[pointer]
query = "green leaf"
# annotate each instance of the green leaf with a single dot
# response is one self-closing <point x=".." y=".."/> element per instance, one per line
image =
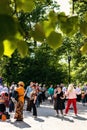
<point x="85" y="0"/>
<point x="85" y="16"/>
<point x="16" y="42"/>
<point x="7" y="26"/>
<point x="70" y="26"/>
<point x="83" y="49"/>
<point x="53" y="19"/>
<point x="50" y="24"/>
<point x="83" y="28"/>
<point x="4" y="7"/>
<point x="38" y="33"/>
<point x="26" y="5"/>
<point x="22" y="48"/>
<point x="9" y="47"/>
<point x="54" y="40"/>
<point x="65" y="28"/>
<point x="53" y="15"/>
<point x="73" y="20"/>
<point x="21" y="45"/>
<point x="1" y="49"/>
<point x="48" y="28"/>
<point x="62" y="17"/>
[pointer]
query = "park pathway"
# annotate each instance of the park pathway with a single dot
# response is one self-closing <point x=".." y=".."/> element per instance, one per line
<point x="46" y="120"/>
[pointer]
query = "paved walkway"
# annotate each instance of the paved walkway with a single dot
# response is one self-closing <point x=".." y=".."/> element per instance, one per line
<point x="46" y="120"/>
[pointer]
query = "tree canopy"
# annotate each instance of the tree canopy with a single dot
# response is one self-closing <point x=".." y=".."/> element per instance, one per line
<point x="26" y="24"/>
<point x="50" y="30"/>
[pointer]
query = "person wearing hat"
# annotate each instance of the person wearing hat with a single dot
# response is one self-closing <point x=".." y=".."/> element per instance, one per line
<point x="20" y="102"/>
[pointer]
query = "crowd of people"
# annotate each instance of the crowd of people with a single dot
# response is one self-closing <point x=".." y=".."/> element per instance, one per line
<point x="13" y="98"/>
<point x="64" y="97"/>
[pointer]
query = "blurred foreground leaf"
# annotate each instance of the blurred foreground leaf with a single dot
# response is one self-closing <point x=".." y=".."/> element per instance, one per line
<point x="69" y="26"/>
<point x="22" y="48"/>
<point x="1" y="49"/>
<point x="26" y="5"/>
<point x="84" y="48"/>
<point x="9" y="47"/>
<point x="7" y="26"/>
<point x="38" y="33"/>
<point x="4" y="7"/>
<point x="83" y="28"/>
<point x="54" y="40"/>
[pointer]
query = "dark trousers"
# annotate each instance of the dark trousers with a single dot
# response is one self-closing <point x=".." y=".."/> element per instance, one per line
<point x="79" y="97"/>
<point x="33" y="106"/>
<point x="43" y="96"/>
<point x="2" y="107"/>
<point x="28" y="104"/>
<point x="11" y="106"/>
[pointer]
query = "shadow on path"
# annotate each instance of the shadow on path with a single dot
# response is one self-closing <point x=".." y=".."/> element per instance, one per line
<point x="20" y="124"/>
<point x="65" y="119"/>
<point x="80" y="118"/>
<point x="39" y="119"/>
<point x="46" y="110"/>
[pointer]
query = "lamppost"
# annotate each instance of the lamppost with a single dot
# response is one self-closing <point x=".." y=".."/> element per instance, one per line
<point x="69" y="59"/>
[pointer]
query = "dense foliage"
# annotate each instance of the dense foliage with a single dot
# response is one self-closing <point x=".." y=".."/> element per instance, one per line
<point x="25" y="23"/>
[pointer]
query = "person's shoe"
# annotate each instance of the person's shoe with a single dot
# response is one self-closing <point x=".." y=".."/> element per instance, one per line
<point x="83" y="104"/>
<point x="76" y="115"/>
<point x="65" y="114"/>
<point x="57" y="115"/>
<point x="35" y="116"/>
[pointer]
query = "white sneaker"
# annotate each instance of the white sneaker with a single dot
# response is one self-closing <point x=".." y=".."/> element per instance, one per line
<point x="57" y="115"/>
<point x="76" y="115"/>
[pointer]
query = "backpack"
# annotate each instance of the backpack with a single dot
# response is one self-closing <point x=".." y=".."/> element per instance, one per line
<point x="4" y="116"/>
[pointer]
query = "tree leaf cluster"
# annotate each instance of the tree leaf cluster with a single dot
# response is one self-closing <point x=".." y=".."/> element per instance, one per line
<point x="57" y="24"/>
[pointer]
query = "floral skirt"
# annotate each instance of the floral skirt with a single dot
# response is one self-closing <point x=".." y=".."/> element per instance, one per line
<point x="19" y="110"/>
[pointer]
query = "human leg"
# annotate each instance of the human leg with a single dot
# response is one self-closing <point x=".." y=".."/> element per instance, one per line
<point x="74" y="106"/>
<point x="67" y="106"/>
<point x="19" y="111"/>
